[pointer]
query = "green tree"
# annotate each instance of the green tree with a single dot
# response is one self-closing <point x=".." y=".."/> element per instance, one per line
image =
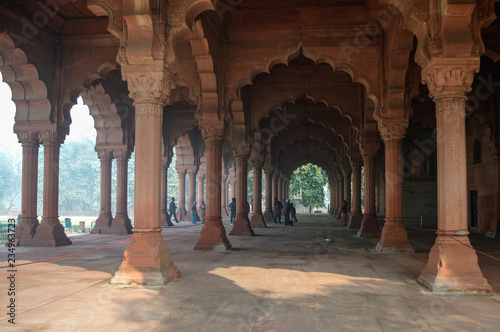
<point x="308" y="183"/>
<point x="10" y="182"/>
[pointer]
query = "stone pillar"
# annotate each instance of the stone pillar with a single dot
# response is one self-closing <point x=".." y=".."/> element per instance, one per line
<point x="347" y="187"/>
<point x="50" y="232"/>
<point x="224" y="188"/>
<point x="275" y="185"/>
<point x="369" y="224"/>
<point x="121" y="224"/>
<point x="164" y="216"/>
<point x="213" y="234"/>
<point x="280" y="187"/>
<point x="241" y="224"/>
<point x="394" y="236"/>
<point x="181" y="208"/>
<point x="257" y="220"/>
<point x="29" y="220"/>
<point x="268" y="209"/>
<point x="335" y="205"/>
<point x="147" y="257"/>
<point x="332" y="194"/>
<point x="452" y="266"/>
<point x="201" y="188"/>
<point x="340" y="195"/>
<point x="103" y="222"/>
<point x="356" y="216"/>
<point x="192" y="190"/>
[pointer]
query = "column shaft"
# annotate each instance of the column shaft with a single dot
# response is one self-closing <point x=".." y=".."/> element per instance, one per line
<point x="394" y="236"/>
<point x="268" y="210"/>
<point x="29" y="221"/>
<point x="257" y="220"/>
<point x="241" y="224"/>
<point x="369" y="224"/>
<point x="121" y="224"/>
<point x="103" y="222"/>
<point x="147" y="258"/>
<point x="164" y="216"/>
<point x="181" y="209"/>
<point x="356" y="216"/>
<point x="213" y="234"/>
<point x="50" y="232"/>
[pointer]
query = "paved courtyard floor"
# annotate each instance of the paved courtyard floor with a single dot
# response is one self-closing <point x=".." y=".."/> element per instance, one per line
<point x="314" y="276"/>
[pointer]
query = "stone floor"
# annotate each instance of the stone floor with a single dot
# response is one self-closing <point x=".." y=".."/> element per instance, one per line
<point x="315" y="276"/>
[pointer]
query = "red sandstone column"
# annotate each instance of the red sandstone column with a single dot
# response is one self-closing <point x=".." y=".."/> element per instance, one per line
<point x="275" y="186"/>
<point x="268" y="211"/>
<point x="192" y="190"/>
<point x="335" y="205"/>
<point x="394" y="236"/>
<point x="340" y="195"/>
<point x="213" y="234"/>
<point x="224" y="189"/>
<point x="29" y="221"/>
<point x="164" y="216"/>
<point x="201" y="192"/>
<point x="280" y="187"/>
<point x="147" y="258"/>
<point x="347" y="187"/>
<point x="330" y="208"/>
<point x="103" y="223"/>
<point x="452" y="266"/>
<point x="181" y="208"/>
<point x="121" y="224"/>
<point x="356" y="216"/>
<point x="50" y="232"/>
<point x="241" y="224"/>
<point x="369" y="224"/>
<point x="257" y="220"/>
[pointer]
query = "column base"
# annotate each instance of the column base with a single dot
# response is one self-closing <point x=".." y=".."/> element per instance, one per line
<point x="355" y="222"/>
<point x="213" y="236"/>
<point x="369" y="226"/>
<point x="242" y="226"/>
<point x="48" y="234"/>
<point x="257" y="220"/>
<point x="102" y="224"/>
<point x="165" y="220"/>
<point x="268" y="216"/>
<point x="120" y="225"/>
<point x="146" y="262"/>
<point x="26" y="230"/>
<point x="453" y="267"/>
<point x="394" y="238"/>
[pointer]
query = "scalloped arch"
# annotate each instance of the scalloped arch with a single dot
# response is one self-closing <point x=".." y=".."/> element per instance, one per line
<point x="285" y="59"/>
<point x="29" y="93"/>
<point x="115" y="16"/>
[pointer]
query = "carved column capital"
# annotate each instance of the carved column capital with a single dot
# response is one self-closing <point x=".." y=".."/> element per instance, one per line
<point x="27" y="137"/>
<point x="356" y="163"/>
<point x="212" y="132"/>
<point x="241" y="150"/>
<point x="148" y="83"/>
<point x="122" y="154"/>
<point x="447" y="77"/>
<point x="104" y="154"/>
<point x="256" y="163"/>
<point x="392" y="129"/>
<point x="181" y="170"/>
<point x="268" y="169"/>
<point x="49" y="137"/>
<point x="369" y="150"/>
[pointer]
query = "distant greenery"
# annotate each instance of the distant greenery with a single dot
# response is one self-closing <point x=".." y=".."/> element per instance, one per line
<point x="10" y="183"/>
<point x="308" y="184"/>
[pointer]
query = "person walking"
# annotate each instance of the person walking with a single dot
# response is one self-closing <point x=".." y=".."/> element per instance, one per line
<point x="232" y="209"/>
<point x="343" y="210"/>
<point x="286" y="211"/>
<point x="194" y="213"/>
<point x="171" y="209"/>
<point x="293" y="214"/>
<point x="277" y="211"/>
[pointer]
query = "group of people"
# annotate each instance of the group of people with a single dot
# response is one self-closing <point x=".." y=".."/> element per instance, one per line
<point x="195" y="217"/>
<point x="288" y="210"/>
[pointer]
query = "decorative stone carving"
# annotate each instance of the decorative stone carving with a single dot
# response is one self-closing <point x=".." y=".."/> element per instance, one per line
<point x="449" y="76"/>
<point x="390" y="130"/>
<point x="213" y="131"/>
